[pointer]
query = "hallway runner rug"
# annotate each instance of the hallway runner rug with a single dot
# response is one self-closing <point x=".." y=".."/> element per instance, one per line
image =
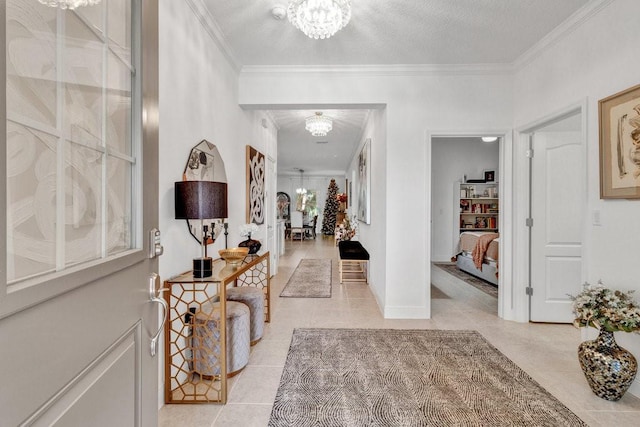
<point x="470" y="279"/>
<point x="387" y="377"/>
<point x="311" y="279"/>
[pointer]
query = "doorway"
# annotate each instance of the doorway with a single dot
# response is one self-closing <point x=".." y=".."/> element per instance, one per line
<point x="465" y="201"/>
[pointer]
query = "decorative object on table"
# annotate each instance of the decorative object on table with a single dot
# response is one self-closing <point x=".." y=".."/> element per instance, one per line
<point x="255" y="185"/>
<point x="254" y="245"/>
<point x="233" y="256"/>
<point x="609" y="368"/>
<point x="205" y="164"/>
<point x="330" y="209"/>
<point x="362" y="377"/>
<point x="619" y="117"/>
<point x="347" y="230"/>
<point x="364" y="183"/>
<point x="200" y="200"/>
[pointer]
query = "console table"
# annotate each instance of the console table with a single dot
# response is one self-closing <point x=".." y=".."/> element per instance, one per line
<point x="185" y="296"/>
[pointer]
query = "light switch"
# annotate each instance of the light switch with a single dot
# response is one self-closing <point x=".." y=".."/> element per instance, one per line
<point x="596" y="217"/>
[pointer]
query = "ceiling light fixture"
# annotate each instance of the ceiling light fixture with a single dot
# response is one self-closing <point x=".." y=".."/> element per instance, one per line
<point x="318" y="124"/>
<point x="319" y="19"/>
<point x="489" y="138"/>
<point x="69" y="4"/>
<point x="301" y="190"/>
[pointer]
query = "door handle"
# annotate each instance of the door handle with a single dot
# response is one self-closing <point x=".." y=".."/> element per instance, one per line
<point x="155" y="296"/>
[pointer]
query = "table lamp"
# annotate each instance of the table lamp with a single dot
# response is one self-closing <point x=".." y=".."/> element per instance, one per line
<point x="201" y="200"/>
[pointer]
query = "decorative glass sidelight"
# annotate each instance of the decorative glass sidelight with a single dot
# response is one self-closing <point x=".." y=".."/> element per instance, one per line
<point x="71" y="150"/>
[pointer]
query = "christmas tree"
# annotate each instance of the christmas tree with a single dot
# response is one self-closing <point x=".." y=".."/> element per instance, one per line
<point x="330" y="209"/>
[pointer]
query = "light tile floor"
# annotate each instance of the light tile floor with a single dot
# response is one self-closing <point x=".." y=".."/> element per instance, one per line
<point x="546" y="352"/>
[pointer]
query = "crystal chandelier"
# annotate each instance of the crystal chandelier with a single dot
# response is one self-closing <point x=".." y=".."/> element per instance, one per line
<point x="68" y="4"/>
<point x="301" y="200"/>
<point x="318" y="124"/>
<point x="319" y="19"/>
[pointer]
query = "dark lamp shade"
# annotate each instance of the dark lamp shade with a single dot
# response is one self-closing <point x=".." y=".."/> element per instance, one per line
<point x="201" y="200"/>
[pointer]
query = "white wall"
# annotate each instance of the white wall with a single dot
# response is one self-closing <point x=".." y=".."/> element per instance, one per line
<point x="369" y="234"/>
<point x="415" y="103"/>
<point x="595" y="60"/>
<point x="199" y="100"/>
<point x="451" y="159"/>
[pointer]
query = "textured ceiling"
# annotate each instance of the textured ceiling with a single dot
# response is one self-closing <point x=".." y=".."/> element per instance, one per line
<point x="381" y="32"/>
<point x="394" y="31"/>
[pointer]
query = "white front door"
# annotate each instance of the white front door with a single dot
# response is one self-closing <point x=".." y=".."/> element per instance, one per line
<point x="557" y="208"/>
<point x="76" y="318"/>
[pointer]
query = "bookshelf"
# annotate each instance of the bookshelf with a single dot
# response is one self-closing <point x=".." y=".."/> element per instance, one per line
<point x="477" y="206"/>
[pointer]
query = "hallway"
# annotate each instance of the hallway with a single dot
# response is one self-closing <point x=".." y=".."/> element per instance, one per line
<point x="546" y="352"/>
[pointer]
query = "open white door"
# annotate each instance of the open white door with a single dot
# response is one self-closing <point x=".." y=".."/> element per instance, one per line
<point x="270" y="209"/>
<point x="80" y="118"/>
<point x="557" y="209"/>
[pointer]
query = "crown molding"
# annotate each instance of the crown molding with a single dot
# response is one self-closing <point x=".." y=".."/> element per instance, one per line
<point x="562" y="31"/>
<point x="212" y="28"/>
<point x="399" y="70"/>
<point x="272" y="119"/>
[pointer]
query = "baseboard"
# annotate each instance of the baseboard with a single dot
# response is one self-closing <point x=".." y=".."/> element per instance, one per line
<point x="407" y="312"/>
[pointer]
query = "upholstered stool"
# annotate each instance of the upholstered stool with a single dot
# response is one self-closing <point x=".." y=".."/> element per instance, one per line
<point x="254" y="299"/>
<point x="206" y="349"/>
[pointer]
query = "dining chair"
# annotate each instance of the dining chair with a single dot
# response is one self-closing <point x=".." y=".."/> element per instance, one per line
<point x="296" y="225"/>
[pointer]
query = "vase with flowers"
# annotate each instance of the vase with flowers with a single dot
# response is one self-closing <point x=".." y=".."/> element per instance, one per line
<point x="245" y="231"/>
<point x="346" y="230"/>
<point x="609" y="368"/>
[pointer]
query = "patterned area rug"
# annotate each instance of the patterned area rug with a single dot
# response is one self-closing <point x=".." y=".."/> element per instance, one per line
<point x="386" y="377"/>
<point x="311" y="279"/>
<point x="453" y="269"/>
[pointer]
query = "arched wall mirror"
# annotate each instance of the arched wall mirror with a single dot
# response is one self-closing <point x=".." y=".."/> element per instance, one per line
<point x="205" y="164"/>
<point x="283" y="202"/>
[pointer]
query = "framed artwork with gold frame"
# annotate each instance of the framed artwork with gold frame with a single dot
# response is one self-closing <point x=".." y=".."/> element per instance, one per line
<point x="619" y="120"/>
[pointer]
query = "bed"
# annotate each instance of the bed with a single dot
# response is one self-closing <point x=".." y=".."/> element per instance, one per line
<point x="483" y="263"/>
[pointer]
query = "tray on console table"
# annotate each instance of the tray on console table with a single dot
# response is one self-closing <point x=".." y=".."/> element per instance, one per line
<point x="186" y="296"/>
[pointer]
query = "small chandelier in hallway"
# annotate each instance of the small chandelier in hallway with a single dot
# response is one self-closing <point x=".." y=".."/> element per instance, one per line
<point x="301" y="190"/>
<point x="318" y="124"/>
<point x="68" y="4"/>
<point x="319" y="19"/>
